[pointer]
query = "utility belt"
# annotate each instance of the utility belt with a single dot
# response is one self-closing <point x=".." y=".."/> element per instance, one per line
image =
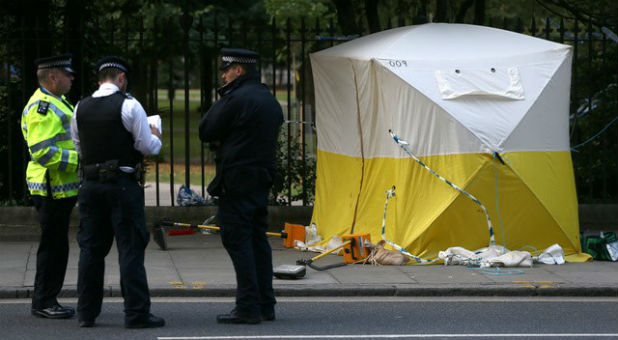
<point x="109" y="171"/>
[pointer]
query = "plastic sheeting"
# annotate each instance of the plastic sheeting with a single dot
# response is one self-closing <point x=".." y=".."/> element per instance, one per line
<point x="498" y="256"/>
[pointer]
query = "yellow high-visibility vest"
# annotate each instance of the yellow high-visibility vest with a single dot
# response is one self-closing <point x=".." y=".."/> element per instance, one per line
<point x="46" y="127"/>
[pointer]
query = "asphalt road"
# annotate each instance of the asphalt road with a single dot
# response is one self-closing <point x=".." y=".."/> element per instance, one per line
<point x="341" y="318"/>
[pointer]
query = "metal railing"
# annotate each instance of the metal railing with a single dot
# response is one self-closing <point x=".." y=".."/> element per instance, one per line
<point x="177" y="57"/>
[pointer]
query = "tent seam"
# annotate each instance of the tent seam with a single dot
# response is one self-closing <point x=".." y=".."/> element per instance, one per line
<point x="539" y="200"/>
<point x="501" y="145"/>
<point x="481" y="142"/>
<point x="472" y="176"/>
<point x="360" y="130"/>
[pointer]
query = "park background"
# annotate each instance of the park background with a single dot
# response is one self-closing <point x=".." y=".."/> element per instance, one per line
<point x="173" y="48"/>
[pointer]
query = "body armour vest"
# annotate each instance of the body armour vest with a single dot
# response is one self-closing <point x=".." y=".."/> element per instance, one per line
<point x="102" y="136"/>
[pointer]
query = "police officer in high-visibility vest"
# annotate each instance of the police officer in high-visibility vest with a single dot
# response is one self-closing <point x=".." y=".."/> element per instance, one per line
<point x="111" y="132"/>
<point x="52" y="179"/>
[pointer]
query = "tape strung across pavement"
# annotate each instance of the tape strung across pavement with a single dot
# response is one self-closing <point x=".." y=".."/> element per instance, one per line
<point x="390" y="193"/>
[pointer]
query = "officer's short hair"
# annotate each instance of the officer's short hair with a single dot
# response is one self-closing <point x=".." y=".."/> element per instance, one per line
<point x="111" y="67"/>
<point x="109" y="73"/>
<point x="43" y="74"/>
<point x="249" y="68"/>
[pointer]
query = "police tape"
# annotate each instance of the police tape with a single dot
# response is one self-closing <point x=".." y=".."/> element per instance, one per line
<point x="390" y="193"/>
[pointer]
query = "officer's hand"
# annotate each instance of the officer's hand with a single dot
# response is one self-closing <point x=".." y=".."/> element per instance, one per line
<point x="155" y="131"/>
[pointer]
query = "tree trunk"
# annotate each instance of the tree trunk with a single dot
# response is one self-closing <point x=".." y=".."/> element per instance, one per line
<point x="441" y="6"/>
<point x="31" y="29"/>
<point x="421" y="14"/>
<point x="75" y="13"/>
<point x="463" y="9"/>
<point x="479" y="12"/>
<point x="371" y="12"/>
<point x="36" y="30"/>
<point x="346" y="17"/>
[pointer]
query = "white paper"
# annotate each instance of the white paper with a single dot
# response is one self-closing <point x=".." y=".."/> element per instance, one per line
<point x="156" y="122"/>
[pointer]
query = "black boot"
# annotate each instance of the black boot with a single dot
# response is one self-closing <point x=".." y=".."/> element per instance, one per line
<point x="145" y="321"/>
<point x="235" y="317"/>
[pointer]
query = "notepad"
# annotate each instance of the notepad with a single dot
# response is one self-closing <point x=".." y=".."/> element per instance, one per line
<point x="156" y="122"/>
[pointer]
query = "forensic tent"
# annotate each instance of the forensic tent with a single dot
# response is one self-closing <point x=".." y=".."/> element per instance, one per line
<point x="485" y="108"/>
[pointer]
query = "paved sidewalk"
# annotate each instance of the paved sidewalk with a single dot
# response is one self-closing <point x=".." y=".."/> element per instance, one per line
<point x="165" y="195"/>
<point x="197" y="265"/>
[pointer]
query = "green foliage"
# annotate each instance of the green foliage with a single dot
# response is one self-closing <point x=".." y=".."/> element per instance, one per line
<point x="297" y="9"/>
<point x="294" y="172"/>
<point x="149" y="33"/>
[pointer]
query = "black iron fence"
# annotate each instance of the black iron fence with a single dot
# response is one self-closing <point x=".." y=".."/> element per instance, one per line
<point x="175" y="75"/>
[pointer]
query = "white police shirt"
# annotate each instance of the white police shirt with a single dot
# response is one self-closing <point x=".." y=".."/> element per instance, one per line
<point x="133" y="119"/>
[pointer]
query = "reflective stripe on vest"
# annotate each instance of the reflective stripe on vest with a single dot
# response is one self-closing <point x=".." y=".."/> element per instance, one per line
<point x="65" y="187"/>
<point x="48" y="155"/>
<point x="27" y="109"/>
<point x="55" y="188"/>
<point x="66" y="123"/>
<point x="49" y="142"/>
<point x="64" y="161"/>
<point x="37" y="186"/>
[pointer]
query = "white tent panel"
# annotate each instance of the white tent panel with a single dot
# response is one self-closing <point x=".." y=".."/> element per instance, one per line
<point x="367" y="47"/>
<point x="413" y="116"/>
<point x="490" y="118"/>
<point x="502" y="82"/>
<point x="440" y="42"/>
<point x="546" y="125"/>
<point x="351" y="81"/>
<point x="337" y="129"/>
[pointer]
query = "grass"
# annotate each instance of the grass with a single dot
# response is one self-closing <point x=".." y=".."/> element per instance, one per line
<point x="176" y="142"/>
<point x="195" y="173"/>
<point x="178" y="135"/>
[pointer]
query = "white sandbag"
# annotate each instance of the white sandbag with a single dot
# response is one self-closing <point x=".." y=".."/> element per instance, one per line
<point x="552" y="255"/>
<point x="511" y="259"/>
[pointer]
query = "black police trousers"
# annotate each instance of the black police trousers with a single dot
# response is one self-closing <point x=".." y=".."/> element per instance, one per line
<point x="53" y="252"/>
<point x="108" y="210"/>
<point x="243" y="220"/>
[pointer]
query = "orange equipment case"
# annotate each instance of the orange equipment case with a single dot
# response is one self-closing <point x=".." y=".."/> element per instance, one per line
<point x="294" y="232"/>
<point x="357" y="250"/>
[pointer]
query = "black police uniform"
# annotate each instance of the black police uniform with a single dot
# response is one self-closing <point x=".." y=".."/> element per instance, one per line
<point x="111" y="204"/>
<point x="244" y="123"/>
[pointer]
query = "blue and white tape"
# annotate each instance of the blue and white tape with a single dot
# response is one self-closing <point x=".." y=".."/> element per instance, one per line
<point x="390" y="193"/>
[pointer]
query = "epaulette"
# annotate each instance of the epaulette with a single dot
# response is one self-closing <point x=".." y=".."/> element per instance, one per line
<point x="125" y="94"/>
<point x="43" y="106"/>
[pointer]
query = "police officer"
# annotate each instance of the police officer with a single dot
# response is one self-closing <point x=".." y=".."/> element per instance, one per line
<point x="243" y="126"/>
<point x="111" y="133"/>
<point x="52" y="179"/>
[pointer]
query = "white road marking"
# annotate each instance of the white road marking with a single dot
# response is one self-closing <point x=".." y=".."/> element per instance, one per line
<point x="353" y="299"/>
<point x="394" y="336"/>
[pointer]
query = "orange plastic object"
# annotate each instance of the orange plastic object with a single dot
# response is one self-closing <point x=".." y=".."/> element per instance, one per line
<point x="356" y="250"/>
<point x="294" y="232"/>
